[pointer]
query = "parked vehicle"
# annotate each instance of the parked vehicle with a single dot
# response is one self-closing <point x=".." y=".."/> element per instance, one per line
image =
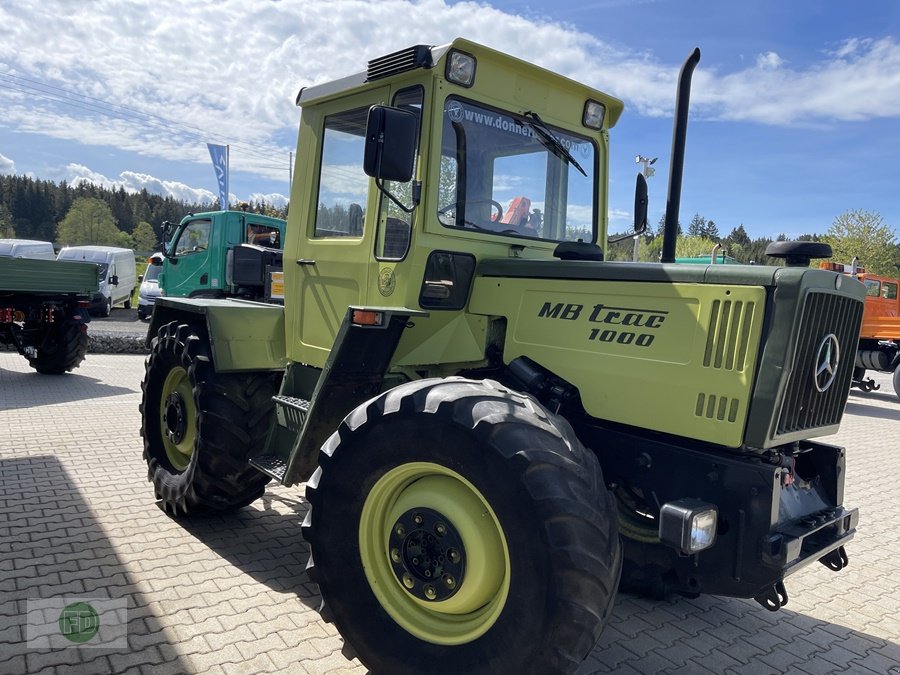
<point x="879" y="338"/>
<point x="43" y="310"/>
<point x="149" y="289"/>
<point x="118" y="275"/>
<point x="205" y="256"/>
<point x="493" y="423"/>
<point x="27" y="248"/>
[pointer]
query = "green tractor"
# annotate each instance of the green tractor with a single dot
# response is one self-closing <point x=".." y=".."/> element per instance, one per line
<point x="496" y="427"/>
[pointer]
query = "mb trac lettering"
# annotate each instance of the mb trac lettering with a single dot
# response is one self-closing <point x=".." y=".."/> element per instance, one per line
<point x="607" y="315"/>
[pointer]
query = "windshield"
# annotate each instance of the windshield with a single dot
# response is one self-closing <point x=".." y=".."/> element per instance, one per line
<point x="500" y="173"/>
<point x="152" y="273"/>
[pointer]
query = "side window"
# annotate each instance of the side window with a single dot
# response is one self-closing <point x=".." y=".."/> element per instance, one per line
<point x="343" y="185"/>
<point x="873" y="288"/>
<point x="194" y="237"/>
<point x="263" y="235"/>
<point x="889" y="290"/>
<point x="395" y="224"/>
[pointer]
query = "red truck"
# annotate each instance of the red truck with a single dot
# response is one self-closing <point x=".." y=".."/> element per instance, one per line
<point x="879" y="338"/>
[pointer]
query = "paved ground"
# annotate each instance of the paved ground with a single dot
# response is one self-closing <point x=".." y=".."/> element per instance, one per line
<point x="229" y="594"/>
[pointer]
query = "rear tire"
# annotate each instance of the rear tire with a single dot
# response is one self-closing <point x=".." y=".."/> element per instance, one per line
<point x="487" y="468"/>
<point x="128" y="303"/>
<point x="201" y="427"/>
<point x="106" y="310"/>
<point x="897" y="381"/>
<point x="62" y="350"/>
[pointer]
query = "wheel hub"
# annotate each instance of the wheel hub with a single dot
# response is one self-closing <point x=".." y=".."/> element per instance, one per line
<point x="174" y="417"/>
<point x="427" y="554"/>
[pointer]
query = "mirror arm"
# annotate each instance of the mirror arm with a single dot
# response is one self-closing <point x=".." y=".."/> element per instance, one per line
<point x="416" y="195"/>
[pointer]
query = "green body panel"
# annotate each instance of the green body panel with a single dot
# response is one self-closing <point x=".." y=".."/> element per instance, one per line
<point x="643" y="354"/>
<point x="26" y="275"/>
<point x="205" y="271"/>
<point x="244" y="335"/>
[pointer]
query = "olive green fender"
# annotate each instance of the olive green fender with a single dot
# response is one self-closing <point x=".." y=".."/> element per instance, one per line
<point x="243" y="335"/>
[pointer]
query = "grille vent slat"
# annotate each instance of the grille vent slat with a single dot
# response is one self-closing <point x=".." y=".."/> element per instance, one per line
<point x="398" y="62"/>
<point x="715" y="407"/>
<point x="728" y="335"/>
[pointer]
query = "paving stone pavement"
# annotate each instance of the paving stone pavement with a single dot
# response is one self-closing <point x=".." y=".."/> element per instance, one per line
<point x="229" y="594"/>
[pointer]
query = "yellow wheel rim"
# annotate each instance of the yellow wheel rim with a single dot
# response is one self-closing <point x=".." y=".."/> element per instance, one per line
<point x="419" y="501"/>
<point x="178" y="418"/>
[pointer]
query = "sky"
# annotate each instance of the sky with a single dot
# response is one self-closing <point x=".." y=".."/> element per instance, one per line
<point x="795" y="106"/>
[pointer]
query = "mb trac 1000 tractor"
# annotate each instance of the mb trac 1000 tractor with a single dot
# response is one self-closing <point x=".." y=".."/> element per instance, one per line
<point x="495" y="426"/>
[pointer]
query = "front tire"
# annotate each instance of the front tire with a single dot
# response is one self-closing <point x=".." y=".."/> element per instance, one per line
<point x="897" y="381"/>
<point x="200" y="427"/>
<point x="456" y="525"/>
<point x="62" y="350"/>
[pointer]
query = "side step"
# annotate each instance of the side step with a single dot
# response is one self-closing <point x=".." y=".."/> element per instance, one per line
<point x="271" y="465"/>
<point x="291" y="414"/>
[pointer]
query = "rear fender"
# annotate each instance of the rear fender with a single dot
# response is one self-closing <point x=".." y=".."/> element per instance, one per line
<point x="243" y="335"/>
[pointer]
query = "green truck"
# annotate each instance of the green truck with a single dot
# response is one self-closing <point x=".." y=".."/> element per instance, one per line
<point x="43" y="310"/>
<point x="207" y="255"/>
<point x="495" y="426"/>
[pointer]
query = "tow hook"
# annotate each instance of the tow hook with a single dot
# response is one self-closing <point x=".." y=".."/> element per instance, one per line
<point x="836" y="560"/>
<point x="774" y="597"/>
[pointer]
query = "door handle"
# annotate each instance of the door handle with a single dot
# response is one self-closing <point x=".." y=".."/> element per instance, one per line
<point x="304" y="261"/>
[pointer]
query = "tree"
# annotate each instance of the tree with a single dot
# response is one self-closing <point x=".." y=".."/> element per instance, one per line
<point x="864" y="234"/>
<point x="691" y="247"/>
<point x="697" y="228"/>
<point x="738" y="236"/>
<point x="7" y="230"/>
<point x="90" y="221"/>
<point x="145" y="239"/>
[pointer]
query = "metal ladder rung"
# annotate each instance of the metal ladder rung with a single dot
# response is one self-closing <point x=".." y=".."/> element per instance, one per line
<point x="271" y="465"/>
<point x="291" y="412"/>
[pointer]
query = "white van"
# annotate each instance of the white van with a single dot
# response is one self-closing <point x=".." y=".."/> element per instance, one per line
<point x="27" y="248"/>
<point x="117" y="274"/>
<point x="150" y="289"/>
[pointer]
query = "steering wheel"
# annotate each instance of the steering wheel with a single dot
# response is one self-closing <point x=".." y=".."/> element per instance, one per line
<point x="452" y="207"/>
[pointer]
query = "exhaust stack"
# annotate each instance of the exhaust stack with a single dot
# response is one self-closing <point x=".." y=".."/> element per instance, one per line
<point x="676" y="166"/>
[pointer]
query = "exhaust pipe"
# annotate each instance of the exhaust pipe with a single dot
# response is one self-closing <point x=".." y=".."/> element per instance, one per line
<point x="676" y="166"/>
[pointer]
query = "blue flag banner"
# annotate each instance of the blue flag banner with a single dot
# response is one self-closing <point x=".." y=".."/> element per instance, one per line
<point x="219" y="156"/>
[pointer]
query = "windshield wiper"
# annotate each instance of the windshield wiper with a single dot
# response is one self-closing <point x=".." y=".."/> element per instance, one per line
<point x="551" y="142"/>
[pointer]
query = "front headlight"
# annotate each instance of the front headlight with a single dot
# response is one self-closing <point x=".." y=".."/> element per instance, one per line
<point x="688" y="524"/>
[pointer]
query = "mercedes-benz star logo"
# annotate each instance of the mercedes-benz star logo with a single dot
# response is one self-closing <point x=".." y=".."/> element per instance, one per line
<point x="827" y="359"/>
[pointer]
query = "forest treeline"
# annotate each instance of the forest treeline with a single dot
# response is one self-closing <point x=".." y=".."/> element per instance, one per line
<point x="35" y="209"/>
<point x="89" y="214"/>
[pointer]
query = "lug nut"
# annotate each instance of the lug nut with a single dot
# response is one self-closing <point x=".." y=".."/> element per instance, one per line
<point x="453" y="554"/>
<point x="440" y="529"/>
<point x="418" y="519"/>
<point x="400" y="531"/>
<point x="430" y="593"/>
<point x="408" y="580"/>
<point x="449" y="581"/>
<point x="395" y="555"/>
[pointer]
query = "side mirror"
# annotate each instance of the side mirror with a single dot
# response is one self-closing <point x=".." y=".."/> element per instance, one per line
<point x="390" y="143"/>
<point x="140" y="278"/>
<point x="640" y="210"/>
<point x="640" y="204"/>
<point x="114" y="280"/>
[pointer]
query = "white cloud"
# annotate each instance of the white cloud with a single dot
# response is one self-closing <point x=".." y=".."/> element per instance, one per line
<point x="7" y="165"/>
<point x="768" y="60"/>
<point x="130" y="181"/>
<point x="161" y="78"/>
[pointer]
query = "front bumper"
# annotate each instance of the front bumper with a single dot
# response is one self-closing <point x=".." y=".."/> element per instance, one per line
<point x="777" y="514"/>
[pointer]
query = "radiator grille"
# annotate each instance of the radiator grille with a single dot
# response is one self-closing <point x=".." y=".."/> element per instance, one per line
<point x="728" y="335"/>
<point x="804" y="406"/>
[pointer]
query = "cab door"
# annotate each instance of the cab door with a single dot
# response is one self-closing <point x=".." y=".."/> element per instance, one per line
<point x="327" y="263"/>
<point x="187" y="269"/>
